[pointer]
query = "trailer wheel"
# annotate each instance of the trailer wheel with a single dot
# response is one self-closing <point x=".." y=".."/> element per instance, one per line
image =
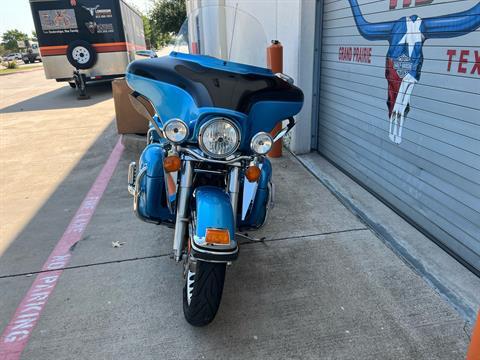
<point x="81" y="54"/>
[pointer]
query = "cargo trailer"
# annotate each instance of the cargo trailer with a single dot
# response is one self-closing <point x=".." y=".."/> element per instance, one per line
<point x="82" y="41"/>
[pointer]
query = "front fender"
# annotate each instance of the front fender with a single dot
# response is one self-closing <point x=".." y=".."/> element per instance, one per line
<point x="213" y="209"/>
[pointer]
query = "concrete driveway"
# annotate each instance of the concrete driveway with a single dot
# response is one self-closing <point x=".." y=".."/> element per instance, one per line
<point x="321" y="286"/>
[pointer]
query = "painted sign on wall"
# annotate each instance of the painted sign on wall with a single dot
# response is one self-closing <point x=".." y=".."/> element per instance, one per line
<point x="399" y="109"/>
<point x="404" y="60"/>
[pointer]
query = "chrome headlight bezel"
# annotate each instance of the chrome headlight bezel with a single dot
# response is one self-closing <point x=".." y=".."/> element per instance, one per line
<point x="210" y="122"/>
<point x="179" y="122"/>
<point x="253" y="142"/>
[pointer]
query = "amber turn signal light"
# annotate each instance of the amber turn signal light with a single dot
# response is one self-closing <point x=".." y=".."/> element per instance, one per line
<point x="253" y="173"/>
<point x="217" y="237"/>
<point x="172" y="163"/>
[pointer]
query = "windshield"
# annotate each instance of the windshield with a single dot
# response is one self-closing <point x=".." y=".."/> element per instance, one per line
<point x="224" y="32"/>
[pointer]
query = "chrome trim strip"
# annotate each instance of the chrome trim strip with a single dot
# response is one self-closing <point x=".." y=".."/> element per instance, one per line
<point x="132" y="170"/>
<point x="149" y="135"/>
<point x="136" y="194"/>
<point x="228" y="262"/>
<point x="200" y="157"/>
<point x="270" y="203"/>
<point x="202" y="250"/>
<point x="205" y="171"/>
<point x="285" y="77"/>
<point x="200" y="242"/>
<point x="249" y="193"/>
<point x="157" y="128"/>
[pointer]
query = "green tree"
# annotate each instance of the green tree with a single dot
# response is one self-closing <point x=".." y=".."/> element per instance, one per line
<point x="34" y="35"/>
<point x="147" y="30"/>
<point x="11" y="37"/>
<point x="166" y="17"/>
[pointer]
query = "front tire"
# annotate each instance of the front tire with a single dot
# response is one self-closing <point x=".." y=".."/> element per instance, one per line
<point x="202" y="292"/>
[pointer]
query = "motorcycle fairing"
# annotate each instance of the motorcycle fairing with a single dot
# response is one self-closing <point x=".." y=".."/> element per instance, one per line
<point x="263" y="115"/>
<point x="236" y="86"/>
<point x="168" y="100"/>
<point x="193" y="88"/>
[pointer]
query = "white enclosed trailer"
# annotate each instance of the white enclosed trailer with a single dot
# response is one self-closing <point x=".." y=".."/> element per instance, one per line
<point x="86" y="40"/>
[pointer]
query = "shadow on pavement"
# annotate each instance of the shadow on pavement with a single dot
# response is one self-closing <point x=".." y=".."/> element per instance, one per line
<point x="31" y="247"/>
<point x="62" y="98"/>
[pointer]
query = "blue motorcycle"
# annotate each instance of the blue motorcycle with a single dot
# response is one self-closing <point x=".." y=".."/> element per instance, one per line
<point x="204" y="170"/>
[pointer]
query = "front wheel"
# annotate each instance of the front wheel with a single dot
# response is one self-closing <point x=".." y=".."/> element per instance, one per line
<point x="202" y="292"/>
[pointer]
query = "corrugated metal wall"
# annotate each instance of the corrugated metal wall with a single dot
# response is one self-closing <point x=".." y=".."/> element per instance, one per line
<point x="431" y="173"/>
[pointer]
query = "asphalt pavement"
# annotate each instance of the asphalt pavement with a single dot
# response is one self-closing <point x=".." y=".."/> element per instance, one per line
<point x="322" y="285"/>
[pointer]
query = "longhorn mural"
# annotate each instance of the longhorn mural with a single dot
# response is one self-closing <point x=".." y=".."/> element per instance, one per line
<point x="404" y="59"/>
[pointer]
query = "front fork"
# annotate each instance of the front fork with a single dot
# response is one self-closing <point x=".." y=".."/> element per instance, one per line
<point x="181" y="221"/>
<point x="184" y="193"/>
<point x="233" y="186"/>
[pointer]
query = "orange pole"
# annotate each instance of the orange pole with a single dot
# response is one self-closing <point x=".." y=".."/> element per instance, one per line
<point x="474" y="348"/>
<point x="275" y="63"/>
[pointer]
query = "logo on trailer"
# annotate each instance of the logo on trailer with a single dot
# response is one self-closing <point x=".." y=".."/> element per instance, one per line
<point x="404" y="59"/>
<point x="91" y="26"/>
<point x="91" y="10"/>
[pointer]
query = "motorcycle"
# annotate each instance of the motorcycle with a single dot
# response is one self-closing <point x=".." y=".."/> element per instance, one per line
<point x="204" y="170"/>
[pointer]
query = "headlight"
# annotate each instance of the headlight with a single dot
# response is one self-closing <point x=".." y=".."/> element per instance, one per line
<point x="175" y="130"/>
<point x="219" y="137"/>
<point x="261" y="143"/>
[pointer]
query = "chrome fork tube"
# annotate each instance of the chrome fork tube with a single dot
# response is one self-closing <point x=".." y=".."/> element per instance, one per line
<point x="181" y="222"/>
<point x="233" y="186"/>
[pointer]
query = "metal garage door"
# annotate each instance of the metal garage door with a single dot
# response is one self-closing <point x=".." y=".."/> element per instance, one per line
<point x="399" y="109"/>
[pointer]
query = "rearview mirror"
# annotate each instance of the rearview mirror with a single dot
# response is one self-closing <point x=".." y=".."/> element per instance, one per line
<point x="281" y="134"/>
<point x="285" y="130"/>
<point x="142" y="105"/>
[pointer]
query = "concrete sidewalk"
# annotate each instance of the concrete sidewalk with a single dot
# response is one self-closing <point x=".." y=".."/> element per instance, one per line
<point x="453" y="281"/>
<point x="322" y="286"/>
